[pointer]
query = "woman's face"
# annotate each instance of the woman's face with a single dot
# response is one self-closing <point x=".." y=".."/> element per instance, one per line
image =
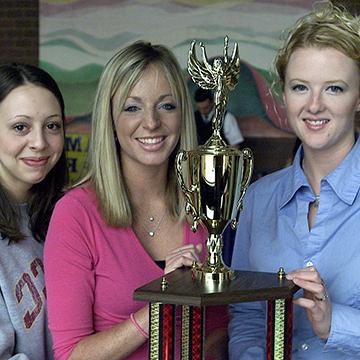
<point x="148" y="126"/>
<point x="31" y="138"/>
<point x="321" y="95"/>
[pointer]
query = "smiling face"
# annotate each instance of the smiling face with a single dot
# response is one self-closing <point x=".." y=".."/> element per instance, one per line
<point x="321" y="94"/>
<point x="31" y="138"/>
<point x="148" y="125"/>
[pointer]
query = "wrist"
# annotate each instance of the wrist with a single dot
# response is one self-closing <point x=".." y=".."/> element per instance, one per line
<point x="138" y="327"/>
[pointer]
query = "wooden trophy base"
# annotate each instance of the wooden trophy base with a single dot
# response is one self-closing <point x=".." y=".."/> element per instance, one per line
<point x="180" y="287"/>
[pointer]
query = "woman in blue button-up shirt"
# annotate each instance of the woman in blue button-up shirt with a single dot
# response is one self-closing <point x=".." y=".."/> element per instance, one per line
<point x="306" y="218"/>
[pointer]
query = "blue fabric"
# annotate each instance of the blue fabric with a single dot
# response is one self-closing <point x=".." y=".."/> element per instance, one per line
<point x="273" y="232"/>
<point x="228" y="244"/>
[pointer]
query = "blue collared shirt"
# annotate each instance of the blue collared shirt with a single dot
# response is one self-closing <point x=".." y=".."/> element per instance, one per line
<point x="273" y="232"/>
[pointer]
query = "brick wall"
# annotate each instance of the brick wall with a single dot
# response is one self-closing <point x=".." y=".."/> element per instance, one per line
<point x="19" y="31"/>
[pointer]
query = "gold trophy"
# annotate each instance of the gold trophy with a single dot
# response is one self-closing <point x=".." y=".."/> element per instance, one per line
<point x="217" y="175"/>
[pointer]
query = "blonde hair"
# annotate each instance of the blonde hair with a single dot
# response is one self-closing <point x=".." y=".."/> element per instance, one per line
<point x="325" y="26"/>
<point x="121" y="73"/>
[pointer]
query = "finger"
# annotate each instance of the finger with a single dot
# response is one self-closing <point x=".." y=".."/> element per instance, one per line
<point x="308" y="304"/>
<point x="314" y="291"/>
<point x="315" y="288"/>
<point x="188" y="251"/>
<point x="317" y="311"/>
<point x="184" y="256"/>
<point x="177" y="263"/>
<point x="310" y="274"/>
<point x="306" y="270"/>
<point x="183" y="249"/>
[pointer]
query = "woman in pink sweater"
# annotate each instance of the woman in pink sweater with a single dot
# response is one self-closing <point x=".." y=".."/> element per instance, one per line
<point x="124" y="224"/>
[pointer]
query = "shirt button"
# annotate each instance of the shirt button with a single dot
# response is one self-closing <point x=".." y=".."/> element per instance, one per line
<point x="304" y="346"/>
<point x="309" y="263"/>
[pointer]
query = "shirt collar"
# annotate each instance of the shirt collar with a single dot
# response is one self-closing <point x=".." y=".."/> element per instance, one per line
<point x="344" y="179"/>
<point x="297" y="178"/>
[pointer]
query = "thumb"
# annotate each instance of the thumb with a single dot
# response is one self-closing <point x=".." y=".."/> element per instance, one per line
<point x="198" y="248"/>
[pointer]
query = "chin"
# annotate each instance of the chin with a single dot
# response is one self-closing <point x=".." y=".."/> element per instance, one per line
<point x="37" y="180"/>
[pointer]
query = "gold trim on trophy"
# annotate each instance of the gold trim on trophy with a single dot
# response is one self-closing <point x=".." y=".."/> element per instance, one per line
<point x="279" y="329"/>
<point x="154" y="331"/>
<point x="217" y="175"/>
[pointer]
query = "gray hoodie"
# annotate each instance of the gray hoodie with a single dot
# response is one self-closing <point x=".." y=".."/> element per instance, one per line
<point x="23" y="324"/>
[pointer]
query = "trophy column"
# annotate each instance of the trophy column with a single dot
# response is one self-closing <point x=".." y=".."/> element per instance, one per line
<point x="161" y="331"/>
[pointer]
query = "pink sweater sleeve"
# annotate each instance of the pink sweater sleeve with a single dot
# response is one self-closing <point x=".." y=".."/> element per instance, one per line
<point x="68" y="270"/>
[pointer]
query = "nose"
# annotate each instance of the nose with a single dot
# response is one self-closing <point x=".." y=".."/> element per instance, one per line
<point x="315" y="103"/>
<point x="37" y="140"/>
<point x="151" y="120"/>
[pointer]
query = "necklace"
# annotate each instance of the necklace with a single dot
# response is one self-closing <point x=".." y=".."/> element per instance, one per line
<point x="149" y="226"/>
<point x="156" y="225"/>
<point x="316" y="202"/>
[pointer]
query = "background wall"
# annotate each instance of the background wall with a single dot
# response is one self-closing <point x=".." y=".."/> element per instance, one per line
<point x="19" y="31"/>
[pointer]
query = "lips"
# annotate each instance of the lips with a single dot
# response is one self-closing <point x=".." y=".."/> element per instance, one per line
<point x="35" y="162"/>
<point x="315" y="124"/>
<point x="151" y="140"/>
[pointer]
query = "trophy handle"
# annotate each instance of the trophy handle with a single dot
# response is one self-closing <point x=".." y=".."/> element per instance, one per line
<point x="189" y="207"/>
<point x="248" y="167"/>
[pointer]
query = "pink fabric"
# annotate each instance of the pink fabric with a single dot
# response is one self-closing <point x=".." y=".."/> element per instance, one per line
<point x="91" y="271"/>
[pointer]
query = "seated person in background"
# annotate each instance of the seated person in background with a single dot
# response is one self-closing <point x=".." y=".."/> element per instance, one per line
<point x="204" y="101"/>
<point x="33" y="172"/>
<point x="306" y="217"/>
<point x="124" y="225"/>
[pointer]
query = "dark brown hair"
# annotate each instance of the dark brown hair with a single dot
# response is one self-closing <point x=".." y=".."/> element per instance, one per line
<point x="44" y="194"/>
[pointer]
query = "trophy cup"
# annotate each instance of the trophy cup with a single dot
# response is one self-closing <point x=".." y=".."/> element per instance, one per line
<point x="217" y="175"/>
<point x="214" y="178"/>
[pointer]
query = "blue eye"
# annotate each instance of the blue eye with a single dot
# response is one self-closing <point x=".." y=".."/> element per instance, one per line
<point x="335" y="89"/>
<point x="131" y="108"/>
<point x="168" y="106"/>
<point x="298" y="87"/>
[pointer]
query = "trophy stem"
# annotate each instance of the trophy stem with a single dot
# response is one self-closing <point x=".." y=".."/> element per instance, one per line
<point x="213" y="268"/>
<point x="214" y="246"/>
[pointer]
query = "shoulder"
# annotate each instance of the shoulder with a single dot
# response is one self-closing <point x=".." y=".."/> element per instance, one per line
<point x="229" y="116"/>
<point x="76" y="205"/>
<point x="82" y="195"/>
<point x="267" y="185"/>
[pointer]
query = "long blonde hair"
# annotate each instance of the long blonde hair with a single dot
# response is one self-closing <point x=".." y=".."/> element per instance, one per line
<point x="121" y="73"/>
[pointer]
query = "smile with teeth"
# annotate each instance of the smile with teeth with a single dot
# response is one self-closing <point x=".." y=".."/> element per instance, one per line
<point x="151" y="141"/>
<point x="316" y="122"/>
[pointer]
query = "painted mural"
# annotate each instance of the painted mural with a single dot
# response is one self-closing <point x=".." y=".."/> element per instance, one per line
<point x="77" y="37"/>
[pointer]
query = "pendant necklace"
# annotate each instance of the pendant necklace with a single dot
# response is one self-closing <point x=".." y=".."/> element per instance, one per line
<point x="156" y="227"/>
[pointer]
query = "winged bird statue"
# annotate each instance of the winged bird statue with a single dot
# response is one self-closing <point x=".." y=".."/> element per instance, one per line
<point x="221" y="77"/>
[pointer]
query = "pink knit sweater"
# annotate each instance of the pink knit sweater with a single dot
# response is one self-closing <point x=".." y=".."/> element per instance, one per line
<point x="92" y="270"/>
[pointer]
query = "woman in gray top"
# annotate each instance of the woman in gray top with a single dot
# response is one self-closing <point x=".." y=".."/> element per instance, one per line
<point x="33" y="173"/>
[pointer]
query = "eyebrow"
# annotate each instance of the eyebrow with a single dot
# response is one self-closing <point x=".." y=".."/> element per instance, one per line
<point x="29" y="117"/>
<point x="161" y="97"/>
<point x="326" y="82"/>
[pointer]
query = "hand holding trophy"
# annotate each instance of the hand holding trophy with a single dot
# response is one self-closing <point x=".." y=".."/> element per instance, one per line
<point x="217" y="175"/>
